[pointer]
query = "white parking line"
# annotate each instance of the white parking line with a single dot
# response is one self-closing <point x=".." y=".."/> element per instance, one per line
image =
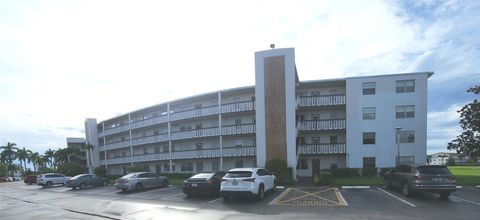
<point x="409" y="203"/>
<point x="279" y="197"/>
<point x="466" y="200"/>
<point x="339" y="194"/>
<point x="355" y="187"/>
<point x="215" y="200"/>
<point x="171" y="196"/>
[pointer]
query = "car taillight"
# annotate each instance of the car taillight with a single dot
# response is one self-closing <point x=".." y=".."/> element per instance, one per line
<point x="249" y="180"/>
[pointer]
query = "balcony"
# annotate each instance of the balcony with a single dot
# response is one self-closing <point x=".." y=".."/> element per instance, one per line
<point x="151" y="157"/>
<point x="114" y="130"/>
<point x="238" y="107"/>
<point x="115" y="160"/>
<point x="150" y="139"/>
<point x="328" y="100"/>
<point x="192" y="154"/>
<point x="115" y="145"/>
<point x="321" y="125"/>
<point x="149" y="122"/>
<point x="321" y="149"/>
<point x="243" y="151"/>
<point x="238" y="129"/>
<point x="197" y="133"/>
<point x="198" y="112"/>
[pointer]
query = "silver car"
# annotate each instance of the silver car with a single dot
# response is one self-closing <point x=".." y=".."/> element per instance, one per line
<point x="140" y="180"/>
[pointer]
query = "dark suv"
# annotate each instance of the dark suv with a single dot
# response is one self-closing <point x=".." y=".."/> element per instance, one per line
<point x="427" y="178"/>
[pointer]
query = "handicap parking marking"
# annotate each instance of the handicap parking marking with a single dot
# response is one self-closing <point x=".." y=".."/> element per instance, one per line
<point x="310" y="197"/>
<point x="465" y="200"/>
<point x="396" y="197"/>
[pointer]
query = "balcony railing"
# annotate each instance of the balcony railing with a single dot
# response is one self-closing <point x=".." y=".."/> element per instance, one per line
<point x="322" y="125"/>
<point x="238" y="129"/>
<point x="238" y="107"/>
<point x="198" y="112"/>
<point x="114" y="130"/>
<point x="149" y="122"/>
<point x="306" y="101"/>
<point x="115" y="145"/>
<point x="150" y="139"/>
<point x="197" y="133"/>
<point x="239" y="151"/>
<point x="321" y="149"/>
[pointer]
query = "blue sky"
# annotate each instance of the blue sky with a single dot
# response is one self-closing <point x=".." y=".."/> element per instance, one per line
<point x="64" y="61"/>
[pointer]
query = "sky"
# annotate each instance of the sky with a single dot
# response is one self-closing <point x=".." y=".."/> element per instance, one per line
<point x="64" y="61"/>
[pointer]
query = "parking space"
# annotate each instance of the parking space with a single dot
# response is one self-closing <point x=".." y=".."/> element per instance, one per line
<point x="317" y="196"/>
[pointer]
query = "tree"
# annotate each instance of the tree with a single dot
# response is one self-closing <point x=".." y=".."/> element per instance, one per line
<point x="468" y="143"/>
<point x="100" y="171"/>
<point x="33" y="159"/>
<point x="3" y="169"/>
<point x="22" y="155"/>
<point x="49" y="156"/>
<point x="71" y="169"/>
<point x="88" y="148"/>
<point x="9" y="154"/>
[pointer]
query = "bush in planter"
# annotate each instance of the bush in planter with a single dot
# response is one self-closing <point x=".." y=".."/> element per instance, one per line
<point x="345" y="172"/>
<point x="325" y="178"/>
<point x="369" y="172"/>
<point x="281" y="170"/>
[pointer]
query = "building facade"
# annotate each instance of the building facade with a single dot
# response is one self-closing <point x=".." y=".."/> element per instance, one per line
<point x="313" y="125"/>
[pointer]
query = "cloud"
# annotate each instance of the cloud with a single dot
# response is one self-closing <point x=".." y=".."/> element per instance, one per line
<point x="443" y="127"/>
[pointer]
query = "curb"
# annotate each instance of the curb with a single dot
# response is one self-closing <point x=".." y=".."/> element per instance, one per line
<point x="355" y="187"/>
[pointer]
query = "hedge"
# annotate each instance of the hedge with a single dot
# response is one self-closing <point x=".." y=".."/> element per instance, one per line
<point x="345" y="172"/>
<point x="324" y="177"/>
<point x="369" y="172"/>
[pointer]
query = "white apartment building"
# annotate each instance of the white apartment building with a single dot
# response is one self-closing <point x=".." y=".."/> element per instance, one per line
<point x="313" y="125"/>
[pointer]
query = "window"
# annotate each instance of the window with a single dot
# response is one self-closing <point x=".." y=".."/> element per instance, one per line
<point x="315" y="117"/>
<point x="405" y="111"/>
<point x="407" y="136"/>
<point x="124" y="154"/>
<point x="215" y="165"/>
<point x="369" y="88"/>
<point x="315" y="140"/>
<point x="186" y="167"/>
<point x="238" y="121"/>
<point x="333" y="92"/>
<point x="407" y="159"/>
<point x="239" y="164"/>
<point x="368" y="113"/>
<point x="333" y="139"/>
<point x="303" y="164"/>
<point x="156" y="132"/>
<point x="198" y="126"/>
<point x="165" y="148"/>
<point x="301" y="140"/>
<point x="157" y="150"/>
<point x="369" y="138"/>
<point x="155" y="114"/>
<point x="199" y="166"/>
<point x="315" y="93"/>
<point x="158" y="169"/>
<point x="369" y="162"/>
<point x="198" y="146"/>
<point x="145" y="151"/>
<point x="333" y="115"/>
<point x="404" y="86"/>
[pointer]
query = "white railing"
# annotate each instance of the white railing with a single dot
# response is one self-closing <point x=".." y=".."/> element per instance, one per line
<point x="211" y="110"/>
<point x="151" y="157"/>
<point x="238" y="107"/>
<point x="239" y="151"/>
<point x="306" y="101"/>
<point x="114" y="130"/>
<point x="150" y="140"/>
<point x="322" y="125"/>
<point x="115" y="145"/>
<point x="116" y="160"/>
<point x="191" y="154"/>
<point x="321" y="149"/>
<point x="205" y="132"/>
<point x="149" y="122"/>
<point x="238" y="129"/>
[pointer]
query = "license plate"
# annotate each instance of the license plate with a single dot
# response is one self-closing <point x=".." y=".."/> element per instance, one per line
<point x="194" y="185"/>
<point x="437" y="179"/>
<point x="234" y="183"/>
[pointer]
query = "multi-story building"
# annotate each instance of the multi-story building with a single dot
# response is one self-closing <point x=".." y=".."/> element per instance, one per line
<point x="78" y="143"/>
<point x="313" y="125"/>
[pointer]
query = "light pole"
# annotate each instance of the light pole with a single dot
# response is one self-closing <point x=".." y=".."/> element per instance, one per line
<point x="397" y="134"/>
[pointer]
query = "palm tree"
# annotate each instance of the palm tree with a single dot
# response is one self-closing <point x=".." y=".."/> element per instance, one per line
<point x="23" y="155"/>
<point x="72" y="151"/>
<point x="49" y="156"/>
<point x="33" y="158"/>
<point x="61" y="156"/>
<point x="9" y="154"/>
<point x="40" y="161"/>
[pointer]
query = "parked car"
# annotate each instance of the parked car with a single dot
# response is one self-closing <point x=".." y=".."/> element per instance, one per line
<point x="7" y="179"/>
<point x="426" y="178"/>
<point x="30" y="179"/>
<point x="50" y="179"/>
<point x="247" y="182"/>
<point x="83" y="180"/>
<point x="203" y="184"/>
<point x="140" y="180"/>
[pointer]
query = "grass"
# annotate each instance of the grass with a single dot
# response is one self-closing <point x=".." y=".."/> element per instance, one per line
<point x="357" y="181"/>
<point x="466" y="175"/>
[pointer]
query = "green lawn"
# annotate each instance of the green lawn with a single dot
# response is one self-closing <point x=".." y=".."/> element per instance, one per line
<point x="466" y="175"/>
<point x="357" y="181"/>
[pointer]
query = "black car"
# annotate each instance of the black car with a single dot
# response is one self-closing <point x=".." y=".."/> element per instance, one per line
<point x="421" y="178"/>
<point x="203" y="184"/>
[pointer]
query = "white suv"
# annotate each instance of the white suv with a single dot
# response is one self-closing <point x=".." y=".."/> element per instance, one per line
<point x="247" y="182"/>
<point x="50" y="179"/>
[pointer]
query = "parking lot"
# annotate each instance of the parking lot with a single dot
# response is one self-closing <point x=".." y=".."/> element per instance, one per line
<point x="285" y="203"/>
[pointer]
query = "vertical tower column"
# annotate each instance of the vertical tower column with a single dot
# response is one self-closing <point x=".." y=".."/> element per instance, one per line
<point x="275" y="81"/>
<point x="91" y="137"/>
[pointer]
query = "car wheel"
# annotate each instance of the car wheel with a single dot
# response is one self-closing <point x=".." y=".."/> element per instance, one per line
<point x="444" y="195"/>
<point x="406" y="190"/>
<point x="29" y="183"/>
<point x="81" y="186"/>
<point x="386" y="184"/>
<point x="49" y="184"/>
<point x="138" y="187"/>
<point x="261" y="193"/>
<point x="165" y="183"/>
<point x="105" y="183"/>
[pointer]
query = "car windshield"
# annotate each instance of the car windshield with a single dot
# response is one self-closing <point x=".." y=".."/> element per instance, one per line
<point x="202" y="175"/>
<point x="433" y="170"/>
<point x="234" y="174"/>
<point x="130" y="175"/>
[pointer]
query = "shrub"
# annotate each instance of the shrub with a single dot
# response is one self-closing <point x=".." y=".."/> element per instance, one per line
<point x="71" y="169"/>
<point x="113" y="177"/>
<point x="451" y="162"/>
<point x="369" y="172"/>
<point x="3" y="170"/>
<point x="42" y="170"/>
<point x="345" y="172"/>
<point x="100" y="171"/>
<point x="325" y="178"/>
<point x="384" y="170"/>
<point x="138" y="168"/>
<point x="316" y="179"/>
<point x="281" y="170"/>
<point x="177" y="175"/>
